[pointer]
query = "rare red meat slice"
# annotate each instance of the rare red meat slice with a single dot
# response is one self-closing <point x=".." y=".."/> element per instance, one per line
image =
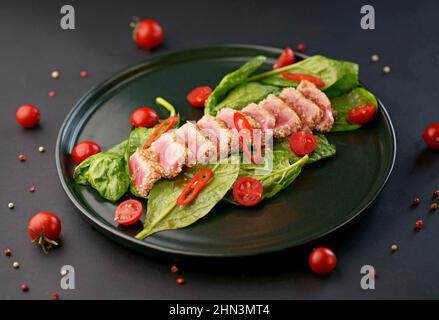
<point x="144" y="171"/>
<point x="217" y="132"/>
<point x="199" y="146"/>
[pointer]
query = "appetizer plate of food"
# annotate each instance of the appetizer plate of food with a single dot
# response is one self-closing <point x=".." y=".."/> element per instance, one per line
<point x="226" y="151"/>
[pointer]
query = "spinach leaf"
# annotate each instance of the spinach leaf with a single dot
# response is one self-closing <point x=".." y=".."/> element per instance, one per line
<point x="346" y="102"/>
<point x="230" y="81"/>
<point x="244" y="94"/>
<point x="338" y="76"/>
<point x="324" y="149"/>
<point x="163" y="213"/>
<point x="106" y="173"/>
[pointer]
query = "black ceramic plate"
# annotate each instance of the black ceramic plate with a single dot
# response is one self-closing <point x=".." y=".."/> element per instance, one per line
<point x="326" y="195"/>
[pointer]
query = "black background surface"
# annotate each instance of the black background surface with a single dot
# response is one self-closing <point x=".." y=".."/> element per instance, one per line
<point x="33" y="44"/>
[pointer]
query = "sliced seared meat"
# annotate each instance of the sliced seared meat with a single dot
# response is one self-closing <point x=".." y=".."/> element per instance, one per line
<point x="308" y="112"/>
<point x="144" y="170"/>
<point x="287" y="121"/>
<point x="264" y="117"/>
<point x="199" y="146"/>
<point x="171" y="154"/>
<point x="217" y="132"/>
<point x="311" y="92"/>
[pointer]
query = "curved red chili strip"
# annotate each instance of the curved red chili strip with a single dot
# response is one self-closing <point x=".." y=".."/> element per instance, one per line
<point x="194" y="186"/>
<point x="167" y="124"/>
<point x="297" y="77"/>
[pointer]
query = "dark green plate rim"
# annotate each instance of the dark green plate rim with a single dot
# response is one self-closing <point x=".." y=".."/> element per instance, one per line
<point x="144" y="246"/>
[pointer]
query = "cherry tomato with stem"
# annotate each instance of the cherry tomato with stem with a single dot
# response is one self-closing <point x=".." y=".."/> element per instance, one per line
<point x="198" y="96"/>
<point x="286" y="58"/>
<point x="128" y="212"/>
<point x="322" y="260"/>
<point x="28" y="116"/>
<point x="144" y="117"/>
<point x="44" y="229"/>
<point x="83" y="150"/>
<point x="147" y="33"/>
<point x="431" y="135"/>
<point x="247" y="191"/>
<point x="362" y="114"/>
<point x="303" y="143"/>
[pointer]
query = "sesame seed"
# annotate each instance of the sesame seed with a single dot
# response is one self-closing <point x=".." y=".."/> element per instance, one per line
<point x="386" y="70"/>
<point x="16" y="265"/>
<point x="41" y="149"/>
<point x="11" y="205"/>
<point x="394" y="247"/>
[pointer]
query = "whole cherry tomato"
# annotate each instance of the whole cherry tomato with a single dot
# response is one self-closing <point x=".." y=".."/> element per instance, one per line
<point x="44" y="229"/>
<point x="322" y="260"/>
<point x="144" y="117"/>
<point x="28" y="116"/>
<point x="431" y="135"/>
<point x="148" y="34"/>
<point x="83" y="150"/>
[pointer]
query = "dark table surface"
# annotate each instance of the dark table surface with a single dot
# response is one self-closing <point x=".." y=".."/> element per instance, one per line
<point x="33" y="44"/>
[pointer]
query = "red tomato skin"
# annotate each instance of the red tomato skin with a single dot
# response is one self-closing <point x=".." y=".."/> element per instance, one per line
<point x="137" y="212"/>
<point x="48" y="220"/>
<point x="255" y="188"/>
<point x="431" y="136"/>
<point x="144" y="117"/>
<point x="303" y="143"/>
<point x="362" y="114"/>
<point x="198" y="96"/>
<point x="148" y="34"/>
<point x="28" y="116"/>
<point x="322" y="260"/>
<point x="83" y="150"/>
<point x="286" y="58"/>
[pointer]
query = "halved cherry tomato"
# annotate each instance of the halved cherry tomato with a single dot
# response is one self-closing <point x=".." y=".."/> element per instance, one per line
<point x="198" y="96"/>
<point x="194" y="186"/>
<point x="247" y="191"/>
<point x="144" y="117"/>
<point x="362" y="114"/>
<point x="286" y="58"/>
<point x="28" y="116"/>
<point x="83" y="150"/>
<point x="165" y="126"/>
<point x="322" y="260"/>
<point x="128" y="212"/>
<point x="303" y="143"/>
<point x="431" y="135"/>
<point x="297" y="77"/>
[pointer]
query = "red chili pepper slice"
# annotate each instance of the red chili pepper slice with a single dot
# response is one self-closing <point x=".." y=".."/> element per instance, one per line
<point x="297" y="77"/>
<point x="246" y="135"/>
<point x="167" y="124"/>
<point x="194" y="186"/>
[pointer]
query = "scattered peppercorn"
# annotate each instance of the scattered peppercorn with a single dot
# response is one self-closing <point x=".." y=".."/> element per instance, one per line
<point x="374" y="58"/>
<point x="41" y="149"/>
<point x="55" y="74"/>
<point x="436" y="193"/>
<point x="180" y="281"/>
<point x="419" y="224"/>
<point x="63" y="273"/>
<point x="416" y="201"/>
<point x="300" y="47"/>
<point x="52" y="93"/>
<point x="8" y="252"/>
<point x="24" y="288"/>
<point x="11" y="205"/>
<point x="54" y="296"/>
<point x="83" y="74"/>
<point x="394" y="247"/>
<point x="433" y="206"/>
<point x="32" y="189"/>
<point x="22" y="157"/>
<point x="386" y="70"/>
<point x="174" y="269"/>
<point x="16" y="265"/>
